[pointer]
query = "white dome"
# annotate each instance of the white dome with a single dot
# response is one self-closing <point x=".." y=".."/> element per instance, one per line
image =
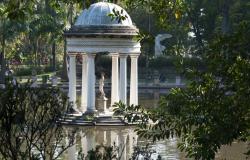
<point x="97" y="15"/>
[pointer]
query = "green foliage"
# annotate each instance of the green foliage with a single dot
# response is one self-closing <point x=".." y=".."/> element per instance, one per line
<point x="45" y="78"/>
<point x="213" y="110"/>
<point x="102" y="152"/>
<point x="28" y="123"/>
<point x="202" y="18"/>
<point x="118" y="16"/>
<point x="146" y="152"/>
<point x="163" y="62"/>
<point x="26" y="70"/>
<point x="89" y="117"/>
<point x="32" y="31"/>
<point x="131" y="113"/>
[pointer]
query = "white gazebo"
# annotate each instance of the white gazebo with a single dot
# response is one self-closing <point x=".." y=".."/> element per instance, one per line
<point x="93" y="33"/>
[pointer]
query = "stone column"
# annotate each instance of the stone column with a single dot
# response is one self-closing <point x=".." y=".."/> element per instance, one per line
<point x="91" y="84"/>
<point x="134" y="80"/>
<point x="115" y="79"/>
<point x="84" y="83"/>
<point x="72" y="81"/>
<point x="123" y="78"/>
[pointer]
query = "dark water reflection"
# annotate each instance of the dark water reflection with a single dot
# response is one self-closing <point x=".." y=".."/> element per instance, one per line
<point x="126" y="136"/>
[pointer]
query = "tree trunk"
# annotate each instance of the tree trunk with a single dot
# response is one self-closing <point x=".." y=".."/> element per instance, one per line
<point x="3" y="64"/>
<point x="198" y="36"/>
<point x="71" y="11"/>
<point x="194" y="21"/>
<point x="225" y="26"/>
<point x="53" y="50"/>
<point x="2" y="58"/>
<point x="64" y="74"/>
<point x="35" y="52"/>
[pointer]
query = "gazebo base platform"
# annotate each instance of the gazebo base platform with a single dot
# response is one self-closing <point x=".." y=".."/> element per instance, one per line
<point x="91" y="120"/>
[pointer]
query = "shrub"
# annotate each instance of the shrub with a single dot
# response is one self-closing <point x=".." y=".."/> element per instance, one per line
<point x="28" y="125"/>
<point x="25" y="70"/>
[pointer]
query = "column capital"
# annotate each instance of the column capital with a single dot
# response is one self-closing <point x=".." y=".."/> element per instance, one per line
<point x="123" y="55"/>
<point x="114" y="54"/>
<point x="123" y="132"/>
<point x="134" y="55"/>
<point x="84" y="56"/>
<point x="91" y="54"/>
<point x="72" y="54"/>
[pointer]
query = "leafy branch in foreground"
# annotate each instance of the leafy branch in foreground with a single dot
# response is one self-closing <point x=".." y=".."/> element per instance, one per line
<point x="28" y="124"/>
<point x="118" y="16"/>
<point x="211" y="111"/>
<point x="102" y="152"/>
<point x="114" y="152"/>
<point x="133" y="113"/>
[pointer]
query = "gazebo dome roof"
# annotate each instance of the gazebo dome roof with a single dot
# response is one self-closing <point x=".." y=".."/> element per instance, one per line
<point x="98" y="14"/>
<point x="95" y="21"/>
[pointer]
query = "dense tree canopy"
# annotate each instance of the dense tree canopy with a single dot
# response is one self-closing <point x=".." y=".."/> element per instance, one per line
<point x="32" y="31"/>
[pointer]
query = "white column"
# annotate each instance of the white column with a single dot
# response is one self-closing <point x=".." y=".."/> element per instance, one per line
<point x="115" y="79"/>
<point x="84" y="83"/>
<point x="123" y="78"/>
<point x="134" y="80"/>
<point x="72" y="81"/>
<point x="91" y="84"/>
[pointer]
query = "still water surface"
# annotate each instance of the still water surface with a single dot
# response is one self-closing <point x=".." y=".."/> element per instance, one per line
<point x="125" y="138"/>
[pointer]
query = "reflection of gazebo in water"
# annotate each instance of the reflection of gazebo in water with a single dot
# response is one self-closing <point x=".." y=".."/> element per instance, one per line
<point x="93" y="33"/>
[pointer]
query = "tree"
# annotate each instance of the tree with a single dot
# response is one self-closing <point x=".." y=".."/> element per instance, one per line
<point x="29" y="123"/>
<point x="213" y="110"/>
<point x="41" y="36"/>
<point x="202" y="18"/>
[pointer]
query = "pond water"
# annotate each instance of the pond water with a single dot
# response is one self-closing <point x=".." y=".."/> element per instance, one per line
<point x="124" y="138"/>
